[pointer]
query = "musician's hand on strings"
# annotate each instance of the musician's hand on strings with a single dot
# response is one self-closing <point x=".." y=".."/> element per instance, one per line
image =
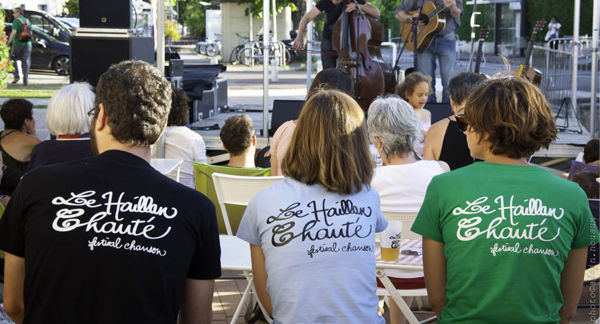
<point x="351" y="6"/>
<point x="298" y="42"/>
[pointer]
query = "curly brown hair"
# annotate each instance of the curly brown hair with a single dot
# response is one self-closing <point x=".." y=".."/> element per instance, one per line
<point x="136" y="100"/>
<point x="410" y="83"/>
<point x="590" y="151"/>
<point x="330" y="144"/>
<point x="14" y="112"/>
<point x="512" y="115"/>
<point x="236" y="134"/>
<point x="180" y="109"/>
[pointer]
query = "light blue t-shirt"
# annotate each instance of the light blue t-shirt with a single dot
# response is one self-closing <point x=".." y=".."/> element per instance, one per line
<point x="319" y="249"/>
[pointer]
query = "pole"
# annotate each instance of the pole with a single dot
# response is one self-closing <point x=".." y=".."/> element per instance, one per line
<point x="595" y="35"/>
<point x="160" y="61"/>
<point x="266" y="29"/>
<point x="575" y="58"/>
<point x="309" y="40"/>
<point x="275" y="76"/>
<point x="250" y="32"/>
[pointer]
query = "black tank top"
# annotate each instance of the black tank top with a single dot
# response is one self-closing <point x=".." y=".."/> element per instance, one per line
<point x="455" y="151"/>
<point x="10" y="161"/>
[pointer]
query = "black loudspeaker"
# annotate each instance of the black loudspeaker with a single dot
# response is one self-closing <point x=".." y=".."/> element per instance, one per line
<point x="92" y="56"/>
<point x="284" y="110"/>
<point x="105" y="13"/>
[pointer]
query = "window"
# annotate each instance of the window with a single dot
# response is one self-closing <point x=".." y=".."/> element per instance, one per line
<point x="43" y="7"/>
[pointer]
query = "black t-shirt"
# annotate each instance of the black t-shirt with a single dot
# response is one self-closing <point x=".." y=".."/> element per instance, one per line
<point x="108" y="240"/>
<point x="58" y="151"/>
<point x="333" y="12"/>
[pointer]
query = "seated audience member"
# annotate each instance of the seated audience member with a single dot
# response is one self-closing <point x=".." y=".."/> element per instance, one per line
<point x="415" y="89"/>
<point x="444" y="141"/>
<point x="505" y="241"/>
<point x="108" y="239"/>
<point x="326" y="79"/>
<point x="18" y="137"/>
<point x="402" y="180"/>
<point x="67" y="119"/>
<point x="237" y="136"/>
<point x="239" y="140"/>
<point x="590" y="152"/>
<point x="310" y="267"/>
<point x="587" y="181"/>
<point x="181" y="142"/>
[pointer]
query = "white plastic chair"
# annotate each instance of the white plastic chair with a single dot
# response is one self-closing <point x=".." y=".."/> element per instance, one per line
<point x="166" y="166"/>
<point x="407" y="219"/>
<point x="235" y="253"/>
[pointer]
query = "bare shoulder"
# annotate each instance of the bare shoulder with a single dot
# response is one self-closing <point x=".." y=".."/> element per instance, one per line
<point x="439" y="127"/>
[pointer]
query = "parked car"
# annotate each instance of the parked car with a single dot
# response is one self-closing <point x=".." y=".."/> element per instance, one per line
<point x="51" y="49"/>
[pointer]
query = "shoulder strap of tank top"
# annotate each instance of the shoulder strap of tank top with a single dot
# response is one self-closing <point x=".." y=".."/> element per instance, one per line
<point x="8" y="133"/>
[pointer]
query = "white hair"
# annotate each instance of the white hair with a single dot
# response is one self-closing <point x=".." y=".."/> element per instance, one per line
<point x="68" y="108"/>
<point x="396" y="124"/>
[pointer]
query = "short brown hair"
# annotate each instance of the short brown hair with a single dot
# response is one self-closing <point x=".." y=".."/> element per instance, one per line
<point x="590" y="151"/>
<point x="236" y="134"/>
<point x="512" y="115"/>
<point x="137" y="101"/>
<point x="180" y="109"/>
<point x="330" y="144"/>
<point x="14" y="112"/>
<point x="410" y="83"/>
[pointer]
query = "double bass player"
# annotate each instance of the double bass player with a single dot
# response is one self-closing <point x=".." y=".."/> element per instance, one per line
<point x="333" y="9"/>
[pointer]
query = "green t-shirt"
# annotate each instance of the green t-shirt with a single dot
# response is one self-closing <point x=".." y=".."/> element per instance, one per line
<point x="507" y="231"/>
<point x="17" y="25"/>
<point x="204" y="184"/>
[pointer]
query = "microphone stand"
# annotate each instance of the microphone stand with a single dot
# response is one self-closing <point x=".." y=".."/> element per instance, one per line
<point x="473" y="26"/>
<point x="414" y="29"/>
<point x="361" y="13"/>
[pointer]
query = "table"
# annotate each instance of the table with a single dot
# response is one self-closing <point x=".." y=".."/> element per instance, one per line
<point x="406" y="266"/>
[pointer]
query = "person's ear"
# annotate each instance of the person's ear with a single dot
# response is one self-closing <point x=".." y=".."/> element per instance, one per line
<point x="453" y="105"/>
<point x="101" y="119"/>
<point x="224" y="148"/>
<point x="253" y="140"/>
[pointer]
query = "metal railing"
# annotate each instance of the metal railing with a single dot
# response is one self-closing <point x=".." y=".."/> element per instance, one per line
<point x="555" y="61"/>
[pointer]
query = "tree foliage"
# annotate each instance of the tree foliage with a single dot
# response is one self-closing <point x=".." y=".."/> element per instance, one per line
<point x="71" y="8"/>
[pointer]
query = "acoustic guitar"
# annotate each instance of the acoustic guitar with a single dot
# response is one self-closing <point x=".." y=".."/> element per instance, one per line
<point x="435" y="22"/>
<point x="483" y="33"/>
<point x="524" y="70"/>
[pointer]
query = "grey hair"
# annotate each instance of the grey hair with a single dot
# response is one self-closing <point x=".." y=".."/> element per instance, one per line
<point x="19" y="10"/>
<point x="396" y="124"/>
<point x="68" y="108"/>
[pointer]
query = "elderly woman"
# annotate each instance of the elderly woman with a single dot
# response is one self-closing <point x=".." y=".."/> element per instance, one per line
<point x="402" y="180"/>
<point x="504" y="241"/>
<point x="312" y="235"/>
<point x="67" y="119"/>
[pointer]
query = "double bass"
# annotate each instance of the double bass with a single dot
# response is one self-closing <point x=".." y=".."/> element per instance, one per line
<point x="357" y="40"/>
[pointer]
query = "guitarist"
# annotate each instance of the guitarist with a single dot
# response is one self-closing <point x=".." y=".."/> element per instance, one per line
<point x="333" y="10"/>
<point x="443" y="46"/>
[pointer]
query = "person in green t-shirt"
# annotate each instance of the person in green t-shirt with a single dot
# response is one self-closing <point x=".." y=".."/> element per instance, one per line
<point x="504" y="241"/>
<point x="20" y="51"/>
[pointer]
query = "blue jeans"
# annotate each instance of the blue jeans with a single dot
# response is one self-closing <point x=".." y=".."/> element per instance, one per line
<point x="23" y="54"/>
<point x="443" y="47"/>
<point x="328" y="60"/>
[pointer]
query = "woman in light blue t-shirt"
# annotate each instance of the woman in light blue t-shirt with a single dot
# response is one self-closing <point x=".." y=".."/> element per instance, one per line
<point x="312" y="235"/>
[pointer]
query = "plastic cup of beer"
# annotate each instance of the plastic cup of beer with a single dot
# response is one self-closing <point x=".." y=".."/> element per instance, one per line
<point x="390" y="241"/>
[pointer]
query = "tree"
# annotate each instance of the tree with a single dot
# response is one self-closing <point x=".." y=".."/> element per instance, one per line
<point x="71" y="8"/>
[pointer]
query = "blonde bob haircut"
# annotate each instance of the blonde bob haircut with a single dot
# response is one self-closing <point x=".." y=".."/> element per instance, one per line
<point x="330" y="144"/>
<point x="68" y="108"/>
<point x="512" y="115"/>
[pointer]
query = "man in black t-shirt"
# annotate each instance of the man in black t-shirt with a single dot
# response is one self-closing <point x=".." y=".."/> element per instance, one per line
<point x="109" y="239"/>
<point x="333" y="9"/>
